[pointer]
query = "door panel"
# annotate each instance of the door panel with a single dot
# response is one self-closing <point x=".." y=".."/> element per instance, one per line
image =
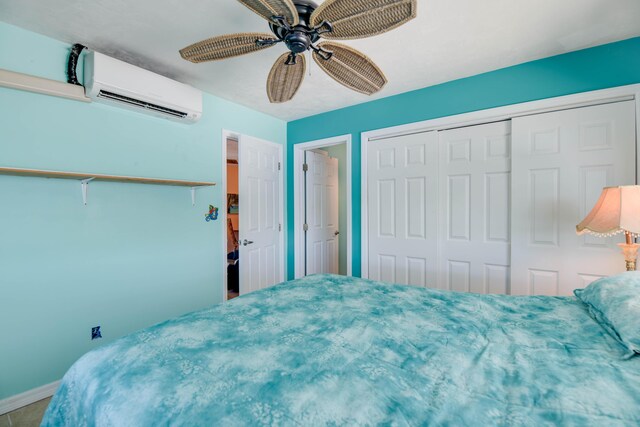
<point x="402" y="184"/>
<point x="475" y="175"/>
<point x="561" y="163"/>
<point x="259" y="213"/>
<point x="322" y="211"/>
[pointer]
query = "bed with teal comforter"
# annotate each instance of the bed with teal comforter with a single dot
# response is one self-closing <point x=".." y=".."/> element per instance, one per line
<point x="331" y="350"/>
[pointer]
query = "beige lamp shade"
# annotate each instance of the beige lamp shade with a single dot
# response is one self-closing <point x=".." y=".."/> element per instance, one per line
<point x="617" y="211"/>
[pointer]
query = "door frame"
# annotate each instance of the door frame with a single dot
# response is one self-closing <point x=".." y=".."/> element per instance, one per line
<point x="298" y="198"/>
<point x="222" y="212"/>
<point x="583" y="99"/>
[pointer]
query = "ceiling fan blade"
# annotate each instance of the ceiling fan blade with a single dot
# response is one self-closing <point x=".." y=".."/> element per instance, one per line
<point x="354" y="19"/>
<point x="227" y="46"/>
<point x="285" y="80"/>
<point x="351" y="68"/>
<point x="270" y="8"/>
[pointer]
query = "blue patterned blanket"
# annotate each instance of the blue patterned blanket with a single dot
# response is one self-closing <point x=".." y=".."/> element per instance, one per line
<point x="330" y="350"/>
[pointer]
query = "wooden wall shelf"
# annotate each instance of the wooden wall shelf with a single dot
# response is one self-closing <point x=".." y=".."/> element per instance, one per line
<point x="21" y="81"/>
<point x="101" y="177"/>
<point x="85" y="178"/>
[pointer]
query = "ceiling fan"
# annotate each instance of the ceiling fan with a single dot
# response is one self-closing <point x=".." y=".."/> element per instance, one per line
<point x="300" y="24"/>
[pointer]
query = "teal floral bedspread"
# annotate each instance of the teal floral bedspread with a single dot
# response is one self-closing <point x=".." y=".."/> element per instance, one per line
<point x="329" y="350"/>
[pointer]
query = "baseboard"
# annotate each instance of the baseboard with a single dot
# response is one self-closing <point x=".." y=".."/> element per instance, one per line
<point x="28" y="397"/>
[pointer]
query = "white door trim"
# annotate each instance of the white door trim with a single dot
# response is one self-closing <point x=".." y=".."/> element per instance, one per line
<point x="630" y="92"/>
<point x="222" y="212"/>
<point x="298" y="197"/>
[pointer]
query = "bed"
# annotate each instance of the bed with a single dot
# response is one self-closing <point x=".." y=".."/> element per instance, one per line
<point x="331" y="350"/>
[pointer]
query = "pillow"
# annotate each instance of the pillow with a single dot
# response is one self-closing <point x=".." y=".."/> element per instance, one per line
<point x="614" y="302"/>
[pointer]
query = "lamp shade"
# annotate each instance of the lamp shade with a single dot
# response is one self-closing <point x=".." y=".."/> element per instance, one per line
<point x="617" y="211"/>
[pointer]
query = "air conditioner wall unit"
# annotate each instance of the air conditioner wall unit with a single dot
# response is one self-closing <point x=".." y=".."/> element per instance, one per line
<point x="111" y="81"/>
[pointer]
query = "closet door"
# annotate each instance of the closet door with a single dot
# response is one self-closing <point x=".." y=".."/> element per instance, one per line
<point x="321" y="207"/>
<point x="475" y="165"/>
<point x="402" y="204"/>
<point x="561" y="162"/>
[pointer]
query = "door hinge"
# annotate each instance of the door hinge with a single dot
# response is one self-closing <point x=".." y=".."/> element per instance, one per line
<point x="279" y="227"/>
<point x="279" y="166"/>
<point x="305" y="227"/>
<point x="305" y="167"/>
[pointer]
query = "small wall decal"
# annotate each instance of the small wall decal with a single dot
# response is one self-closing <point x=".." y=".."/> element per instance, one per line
<point x="95" y="333"/>
<point x="212" y="215"/>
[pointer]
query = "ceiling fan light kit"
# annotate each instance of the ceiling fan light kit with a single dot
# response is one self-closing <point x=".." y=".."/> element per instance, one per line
<point x="299" y="24"/>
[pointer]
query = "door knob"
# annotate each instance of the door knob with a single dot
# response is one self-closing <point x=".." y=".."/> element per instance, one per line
<point x="336" y="233"/>
<point x="247" y="242"/>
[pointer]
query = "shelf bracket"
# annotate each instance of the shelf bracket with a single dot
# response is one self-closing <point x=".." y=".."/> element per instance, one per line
<point x="193" y="195"/>
<point x="85" y="189"/>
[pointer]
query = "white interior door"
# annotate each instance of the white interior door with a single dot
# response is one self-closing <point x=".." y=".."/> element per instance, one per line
<point x="561" y="162"/>
<point x="260" y="197"/>
<point x="402" y="186"/>
<point x="474" y="205"/>
<point x="321" y="207"/>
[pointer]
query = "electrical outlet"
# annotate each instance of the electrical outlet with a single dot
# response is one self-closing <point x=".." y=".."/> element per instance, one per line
<point x="95" y="333"/>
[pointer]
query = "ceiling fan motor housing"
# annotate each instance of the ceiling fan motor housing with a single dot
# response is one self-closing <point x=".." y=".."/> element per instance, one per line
<point x="299" y="38"/>
<point x="297" y="41"/>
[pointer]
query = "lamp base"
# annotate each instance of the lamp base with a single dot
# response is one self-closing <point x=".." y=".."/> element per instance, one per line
<point x="630" y="251"/>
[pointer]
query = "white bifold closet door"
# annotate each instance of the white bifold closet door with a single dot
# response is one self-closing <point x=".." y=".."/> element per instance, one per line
<point x="561" y="162"/>
<point x="474" y="205"/>
<point x="402" y="187"/>
<point x="322" y="213"/>
<point x="438" y="206"/>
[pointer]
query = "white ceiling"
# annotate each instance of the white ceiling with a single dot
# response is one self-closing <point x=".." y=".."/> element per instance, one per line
<point x="448" y="40"/>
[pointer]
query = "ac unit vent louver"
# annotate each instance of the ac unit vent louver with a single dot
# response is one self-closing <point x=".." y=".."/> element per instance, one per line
<point x="142" y="104"/>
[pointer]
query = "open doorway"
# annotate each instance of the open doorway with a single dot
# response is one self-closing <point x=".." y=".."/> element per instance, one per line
<point x="233" y="220"/>
<point x="322" y="199"/>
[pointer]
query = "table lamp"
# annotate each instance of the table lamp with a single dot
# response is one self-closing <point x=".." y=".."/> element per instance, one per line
<point x="616" y="211"/>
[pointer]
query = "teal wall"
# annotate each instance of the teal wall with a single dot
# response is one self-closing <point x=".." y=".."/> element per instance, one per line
<point x="340" y="152"/>
<point x="610" y="65"/>
<point x="137" y="254"/>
